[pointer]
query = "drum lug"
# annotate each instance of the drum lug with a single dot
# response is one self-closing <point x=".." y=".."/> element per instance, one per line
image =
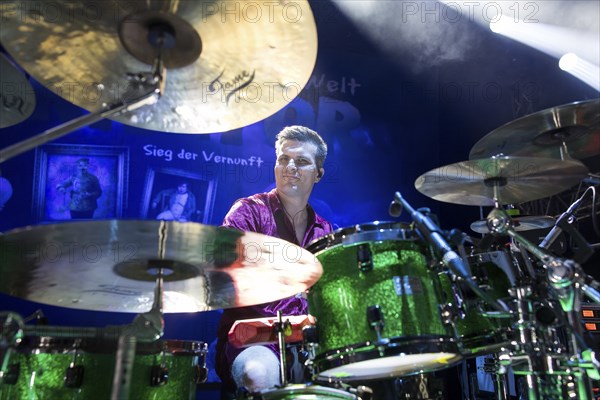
<point x="74" y="376"/>
<point x="11" y="376"/>
<point x="159" y="375"/>
<point x="364" y="258"/>
<point x="310" y="340"/>
<point x="447" y="313"/>
<point x="376" y="320"/>
<point x="200" y="374"/>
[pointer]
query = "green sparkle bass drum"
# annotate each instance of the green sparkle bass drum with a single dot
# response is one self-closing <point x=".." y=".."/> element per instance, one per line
<point x="378" y="306"/>
<point x="45" y="368"/>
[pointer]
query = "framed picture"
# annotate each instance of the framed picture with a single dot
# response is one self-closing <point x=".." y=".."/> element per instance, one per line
<point x="176" y="194"/>
<point x="79" y="182"/>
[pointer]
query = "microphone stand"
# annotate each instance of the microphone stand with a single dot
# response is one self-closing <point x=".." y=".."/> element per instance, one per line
<point x="147" y="327"/>
<point x="583" y="250"/>
<point x="568" y="280"/>
<point x="150" y="89"/>
<point x="562" y="273"/>
<point x="431" y="233"/>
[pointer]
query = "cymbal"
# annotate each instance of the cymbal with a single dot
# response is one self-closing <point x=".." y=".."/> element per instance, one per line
<point x="229" y="63"/>
<point x="519" y="179"/>
<point x="17" y="98"/>
<point x="542" y="134"/>
<point x="112" y="265"/>
<point x="520" y="223"/>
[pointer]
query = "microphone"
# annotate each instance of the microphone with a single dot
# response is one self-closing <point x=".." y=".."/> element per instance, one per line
<point x="431" y="232"/>
<point x="557" y="229"/>
<point x="592" y="179"/>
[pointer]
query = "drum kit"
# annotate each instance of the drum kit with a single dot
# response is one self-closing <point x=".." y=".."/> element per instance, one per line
<point x="391" y="300"/>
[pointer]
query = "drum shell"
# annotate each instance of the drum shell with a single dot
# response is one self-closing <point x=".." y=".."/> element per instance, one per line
<point x="400" y="283"/>
<point x="43" y="362"/>
<point x="482" y="332"/>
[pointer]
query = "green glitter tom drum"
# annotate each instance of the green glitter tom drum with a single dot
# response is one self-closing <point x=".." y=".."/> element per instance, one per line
<point x="377" y="306"/>
<point x="480" y="329"/>
<point x="46" y="368"/>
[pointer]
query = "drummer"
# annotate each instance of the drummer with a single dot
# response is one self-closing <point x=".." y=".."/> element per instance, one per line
<point x="283" y="212"/>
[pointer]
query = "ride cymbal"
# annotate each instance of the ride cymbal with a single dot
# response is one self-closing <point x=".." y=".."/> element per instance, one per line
<point x="517" y="179"/>
<point x="112" y="265"/>
<point x="229" y="63"/>
<point x="542" y="134"/>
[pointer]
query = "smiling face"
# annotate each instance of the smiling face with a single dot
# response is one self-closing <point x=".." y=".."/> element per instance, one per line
<point x="296" y="169"/>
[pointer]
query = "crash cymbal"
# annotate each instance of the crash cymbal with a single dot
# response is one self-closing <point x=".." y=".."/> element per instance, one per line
<point x="519" y="179"/>
<point x="542" y="134"/>
<point x="112" y="266"/>
<point x="520" y="223"/>
<point x="229" y="63"/>
<point x="17" y="98"/>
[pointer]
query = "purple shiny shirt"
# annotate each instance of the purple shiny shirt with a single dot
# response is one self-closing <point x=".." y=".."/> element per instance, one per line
<point x="263" y="213"/>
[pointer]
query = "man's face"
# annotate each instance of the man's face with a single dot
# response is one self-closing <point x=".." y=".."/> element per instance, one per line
<point x="182" y="188"/>
<point x="296" y="168"/>
<point x="82" y="166"/>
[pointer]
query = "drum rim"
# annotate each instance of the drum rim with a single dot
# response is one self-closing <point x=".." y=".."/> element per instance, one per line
<point x="340" y="235"/>
<point x="307" y="389"/>
<point x="409" y="345"/>
<point x="63" y="345"/>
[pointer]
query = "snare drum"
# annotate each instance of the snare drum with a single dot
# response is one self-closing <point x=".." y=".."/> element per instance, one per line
<point x="377" y="306"/>
<point x="68" y="369"/>
<point x="305" y="392"/>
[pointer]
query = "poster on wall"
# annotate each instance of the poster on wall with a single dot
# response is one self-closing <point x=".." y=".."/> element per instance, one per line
<point x="74" y="182"/>
<point x="177" y="194"/>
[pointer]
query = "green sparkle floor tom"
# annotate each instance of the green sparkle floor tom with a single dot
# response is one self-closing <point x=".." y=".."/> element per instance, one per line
<point x="44" y="368"/>
<point x="377" y="306"/>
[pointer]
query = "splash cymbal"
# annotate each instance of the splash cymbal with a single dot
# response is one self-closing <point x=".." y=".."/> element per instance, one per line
<point x="520" y="223"/>
<point x="17" y="98"/>
<point x="112" y="265"/>
<point x="572" y="128"/>
<point x="229" y="63"/>
<point x="518" y="180"/>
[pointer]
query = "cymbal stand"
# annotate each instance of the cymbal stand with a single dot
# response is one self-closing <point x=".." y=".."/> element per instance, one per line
<point x="497" y="371"/>
<point x="281" y="327"/>
<point x="568" y="281"/>
<point x="147" y="89"/>
<point x="146" y="327"/>
<point x="11" y="334"/>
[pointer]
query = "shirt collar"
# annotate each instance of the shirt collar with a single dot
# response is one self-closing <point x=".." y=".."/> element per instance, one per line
<point x="277" y="207"/>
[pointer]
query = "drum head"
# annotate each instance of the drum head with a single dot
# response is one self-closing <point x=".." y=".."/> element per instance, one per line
<point x="312" y="392"/>
<point x="363" y="233"/>
<point x="394" y="366"/>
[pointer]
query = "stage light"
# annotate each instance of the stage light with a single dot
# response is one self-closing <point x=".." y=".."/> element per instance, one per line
<point x="551" y="39"/>
<point x="581" y="69"/>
